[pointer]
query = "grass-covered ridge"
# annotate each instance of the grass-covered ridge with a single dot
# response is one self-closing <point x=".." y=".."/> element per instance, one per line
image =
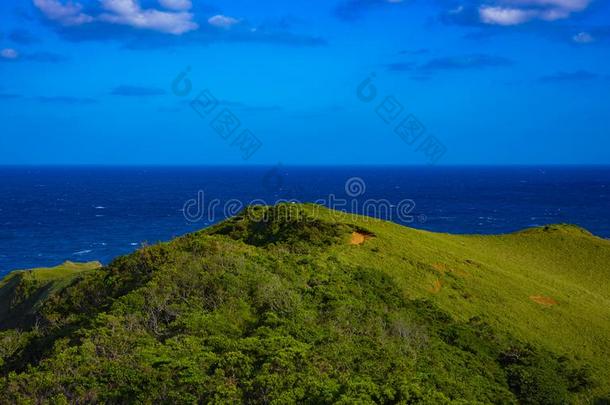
<point x="279" y="305"/>
<point x="22" y="292"/>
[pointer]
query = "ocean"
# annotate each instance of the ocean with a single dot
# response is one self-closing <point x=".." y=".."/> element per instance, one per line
<point x="52" y="214"/>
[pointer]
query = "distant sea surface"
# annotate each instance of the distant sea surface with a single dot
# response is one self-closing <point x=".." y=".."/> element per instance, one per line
<point x="52" y="214"/>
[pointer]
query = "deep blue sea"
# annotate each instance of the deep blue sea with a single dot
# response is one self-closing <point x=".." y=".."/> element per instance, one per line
<point x="52" y="214"/>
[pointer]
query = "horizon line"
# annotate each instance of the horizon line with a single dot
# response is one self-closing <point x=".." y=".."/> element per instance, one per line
<point x="266" y="165"/>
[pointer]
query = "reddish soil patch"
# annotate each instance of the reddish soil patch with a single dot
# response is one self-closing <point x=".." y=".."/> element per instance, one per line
<point x="440" y="267"/>
<point x="436" y="286"/>
<point x="542" y="300"/>
<point x="358" y="238"/>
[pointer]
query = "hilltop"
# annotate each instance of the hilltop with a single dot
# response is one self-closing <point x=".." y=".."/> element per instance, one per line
<point x="298" y="303"/>
<point x="23" y="292"/>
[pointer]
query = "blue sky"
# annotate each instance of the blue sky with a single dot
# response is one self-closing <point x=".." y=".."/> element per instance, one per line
<point x="488" y="82"/>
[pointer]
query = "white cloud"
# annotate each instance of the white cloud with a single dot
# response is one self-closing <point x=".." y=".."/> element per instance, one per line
<point x="222" y="21"/>
<point x="129" y="12"/>
<point x="180" y="5"/>
<point x="515" y="12"/>
<point x="69" y="13"/>
<point x="9" y="53"/>
<point x="583" y="38"/>
<point x="125" y="12"/>
<point x="504" y="16"/>
<point x="570" y="5"/>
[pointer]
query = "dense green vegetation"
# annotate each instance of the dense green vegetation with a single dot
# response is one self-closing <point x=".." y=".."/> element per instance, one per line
<point x="276" y="306"/>
<point x="22" y="292"/>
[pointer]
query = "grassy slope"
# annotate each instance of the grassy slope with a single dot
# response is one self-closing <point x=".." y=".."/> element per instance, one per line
<point x="467" y="276"/>
<point x="23" y="291"/>
<point x="497" y="275"/>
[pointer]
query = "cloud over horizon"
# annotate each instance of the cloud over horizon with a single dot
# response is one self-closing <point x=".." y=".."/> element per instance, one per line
<point x="12" y="55"/>
<point x="222" y="21"/>
<point x="127" y="22"/>
<point x="66" y="14"/>
<point x="123" y="12"/>
<point x="129" y="12"/>
<point x="506" y="13"/>
<point x="179" y="5"/>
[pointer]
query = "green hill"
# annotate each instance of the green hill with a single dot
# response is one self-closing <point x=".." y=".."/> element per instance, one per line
<point x="298" y="303"/>
<point x="22" y="292"/>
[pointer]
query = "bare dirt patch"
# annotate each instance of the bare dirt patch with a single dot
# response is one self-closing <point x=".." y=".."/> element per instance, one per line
<point x="436" y="286"/>
<point x="542" y="300"/>
<point x="440" y="267"/>
<point x="358" y="238"/>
